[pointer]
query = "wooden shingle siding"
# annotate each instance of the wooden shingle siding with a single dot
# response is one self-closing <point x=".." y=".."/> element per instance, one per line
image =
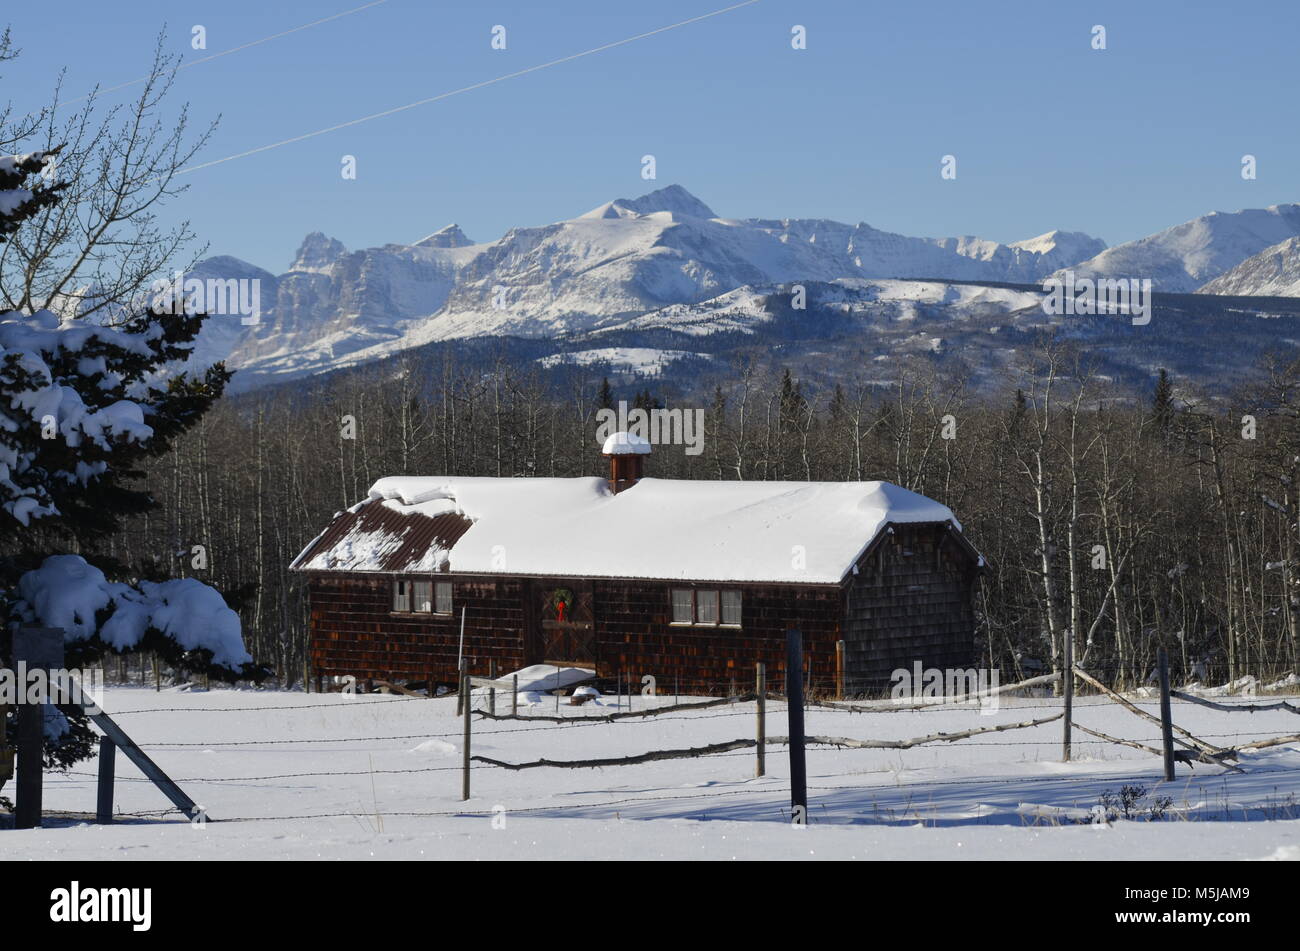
<point x="911" y="600"/>
<point x="635" y="635"/>
<point x="354" y="631"/>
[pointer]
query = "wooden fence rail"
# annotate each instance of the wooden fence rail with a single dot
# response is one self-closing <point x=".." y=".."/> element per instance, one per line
<point x="610" y="717"/>
<point x="888" y="706"/>
<point x="730" y="745"/>
<point x="1234" y="707"/>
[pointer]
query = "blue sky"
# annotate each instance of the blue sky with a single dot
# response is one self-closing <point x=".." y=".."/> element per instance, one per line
<point x="1048" y="133"/>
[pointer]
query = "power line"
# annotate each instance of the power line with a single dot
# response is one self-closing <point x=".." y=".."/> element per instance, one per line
<point x="463" y="89"/>
<point x="233" y="49"/>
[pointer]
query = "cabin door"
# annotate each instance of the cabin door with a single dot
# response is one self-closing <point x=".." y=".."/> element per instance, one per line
<point x="567" y="623"/>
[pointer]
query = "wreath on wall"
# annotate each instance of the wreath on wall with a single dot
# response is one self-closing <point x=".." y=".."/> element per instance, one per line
<point x="561" y="600"/>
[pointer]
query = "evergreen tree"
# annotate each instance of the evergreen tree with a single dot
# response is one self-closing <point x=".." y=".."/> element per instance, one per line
<point x="81" y="410"/>
<point x="1162" y="400"/>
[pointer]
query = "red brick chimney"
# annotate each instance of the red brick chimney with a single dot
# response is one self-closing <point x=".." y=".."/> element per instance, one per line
<point x="626" y="454"/>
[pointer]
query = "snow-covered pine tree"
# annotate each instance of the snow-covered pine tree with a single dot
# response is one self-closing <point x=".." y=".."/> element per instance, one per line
<point x="81" y="406"/>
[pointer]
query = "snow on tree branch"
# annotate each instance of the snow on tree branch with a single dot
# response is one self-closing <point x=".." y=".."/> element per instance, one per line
<point x="69" y="593"/>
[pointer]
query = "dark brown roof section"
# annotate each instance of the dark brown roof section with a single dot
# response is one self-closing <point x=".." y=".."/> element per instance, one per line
<point x="419" y="535"/>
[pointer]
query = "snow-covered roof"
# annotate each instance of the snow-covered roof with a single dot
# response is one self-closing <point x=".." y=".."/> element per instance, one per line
<point x="791" y="532"/>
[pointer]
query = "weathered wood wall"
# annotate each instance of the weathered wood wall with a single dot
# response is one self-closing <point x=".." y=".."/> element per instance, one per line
<point x="911" y="600"/>
<point x="635" y="636"/>
<point x="354" y="630"/>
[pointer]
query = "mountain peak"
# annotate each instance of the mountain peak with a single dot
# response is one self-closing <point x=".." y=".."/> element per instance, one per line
<point x="448" y="237"/>
<point x="1073" y="244"/>
<point x="671" y="198"/>
<point x="317" y="251"/>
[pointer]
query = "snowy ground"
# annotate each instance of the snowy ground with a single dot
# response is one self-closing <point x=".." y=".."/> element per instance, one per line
<point x="288" y="775"/>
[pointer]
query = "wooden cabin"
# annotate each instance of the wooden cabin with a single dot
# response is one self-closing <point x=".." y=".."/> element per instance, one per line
<point x="691" y="582"/>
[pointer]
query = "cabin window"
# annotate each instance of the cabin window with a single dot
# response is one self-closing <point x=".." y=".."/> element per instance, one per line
<point x="731" y="608"/>
<point x="423" y="592"/>
<point x="706" y="607"/>
<point x="442" y="604"/>
<point x="683" y="606"/>
<point x="422" y="597"/>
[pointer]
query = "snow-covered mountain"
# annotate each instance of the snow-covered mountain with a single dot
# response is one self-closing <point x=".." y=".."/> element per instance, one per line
<point x="1274" y="272"/>
<point x="1187" y="256"/>
<point x="622" y="259"/>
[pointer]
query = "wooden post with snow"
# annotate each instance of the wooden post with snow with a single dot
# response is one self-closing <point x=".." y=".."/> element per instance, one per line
<point x="1166" y="716"/>
<point x="794" y="710"/>
<point x="839" y="670"/>
<point x="492" y="691"/>
<point x="760" y="691"/>
<point x="514" y="695"/>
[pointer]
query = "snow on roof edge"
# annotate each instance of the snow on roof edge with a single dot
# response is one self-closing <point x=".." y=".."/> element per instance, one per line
<point x="661" y="529"/>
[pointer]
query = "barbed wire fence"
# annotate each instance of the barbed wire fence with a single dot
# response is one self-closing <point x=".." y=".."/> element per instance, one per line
<point x="1204" y="747"/>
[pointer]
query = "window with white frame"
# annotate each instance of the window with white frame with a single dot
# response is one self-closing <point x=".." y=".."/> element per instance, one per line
<point x="401" y="595"/>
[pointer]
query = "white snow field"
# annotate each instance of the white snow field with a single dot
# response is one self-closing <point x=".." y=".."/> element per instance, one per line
<point x="310" y="776"/>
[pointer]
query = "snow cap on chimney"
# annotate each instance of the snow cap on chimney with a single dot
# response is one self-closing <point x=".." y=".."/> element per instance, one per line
<point x="626" y="453"/>
<point x="625" y="444"/>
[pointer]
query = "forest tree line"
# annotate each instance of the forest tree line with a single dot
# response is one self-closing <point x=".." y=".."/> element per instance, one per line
<point x="1136" y="519"/>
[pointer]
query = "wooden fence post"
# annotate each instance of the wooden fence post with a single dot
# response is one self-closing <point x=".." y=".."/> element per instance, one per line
<point x="514" y="695"/>
<point x="104" y="800"/>
<point x="492" y="691"/>
<point x="839" y="669"/>
<point x="30" y="763"/>
<point x="157" y="674"/>
<point x="1166" y="716"/>
<point x="760" y="691"/>
<point x="464" y="691"/>
<point x="462" y="695"/>
<point x="35" y="648"/>
<point x="794" y="709"/>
